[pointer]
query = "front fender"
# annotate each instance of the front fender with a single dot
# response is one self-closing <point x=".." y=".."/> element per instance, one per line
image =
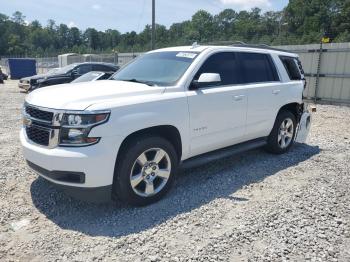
<point x="127" y="120"/>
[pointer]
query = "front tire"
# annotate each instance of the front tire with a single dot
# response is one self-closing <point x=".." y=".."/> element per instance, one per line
<point x="281" y="138"/>
<point x="145" y="171"/>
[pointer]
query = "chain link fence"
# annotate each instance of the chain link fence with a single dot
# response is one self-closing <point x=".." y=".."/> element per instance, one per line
<point x="44" y="64"/>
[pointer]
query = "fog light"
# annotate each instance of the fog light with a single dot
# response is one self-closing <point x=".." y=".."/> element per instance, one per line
<point x="76" y="137"/>
<point x="75" y="133"/>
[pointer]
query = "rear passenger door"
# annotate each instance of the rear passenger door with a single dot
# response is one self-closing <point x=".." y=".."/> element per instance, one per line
<point x="264" y="89"/>
<point x="218" y="113"/>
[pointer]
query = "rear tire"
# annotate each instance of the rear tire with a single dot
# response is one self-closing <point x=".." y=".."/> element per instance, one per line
<point x="145" y="171"/>
<point x="281" y="138"/>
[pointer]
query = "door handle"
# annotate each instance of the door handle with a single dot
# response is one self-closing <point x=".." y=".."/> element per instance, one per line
<point x="239" y="98"/>
<point x="276" y="92"/>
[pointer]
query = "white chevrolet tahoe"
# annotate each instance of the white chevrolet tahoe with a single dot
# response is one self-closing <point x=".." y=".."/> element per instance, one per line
<point x="125" y="138"/>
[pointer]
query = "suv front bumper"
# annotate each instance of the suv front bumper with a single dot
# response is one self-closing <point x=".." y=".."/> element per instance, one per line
<point x="76" y="169"/>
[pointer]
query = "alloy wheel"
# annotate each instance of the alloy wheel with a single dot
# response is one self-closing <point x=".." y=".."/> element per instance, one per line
<point x="285" y="133"/>
<point x="150" y="172"/>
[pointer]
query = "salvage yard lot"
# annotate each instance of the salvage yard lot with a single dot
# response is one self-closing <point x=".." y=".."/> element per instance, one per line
<point x="254" y="206"/>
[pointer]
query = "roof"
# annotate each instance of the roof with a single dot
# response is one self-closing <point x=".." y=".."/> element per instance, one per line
<point x="235" y="47"/>
<point x="97" y="63"/>
<point x="198" y="48"/>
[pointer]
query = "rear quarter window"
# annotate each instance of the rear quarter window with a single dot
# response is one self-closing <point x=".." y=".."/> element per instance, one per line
<point x="258" y="68"/>
<point x="293" y="67"/>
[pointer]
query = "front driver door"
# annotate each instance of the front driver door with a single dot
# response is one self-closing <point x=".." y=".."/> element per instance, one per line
<point x="218" y="113"/>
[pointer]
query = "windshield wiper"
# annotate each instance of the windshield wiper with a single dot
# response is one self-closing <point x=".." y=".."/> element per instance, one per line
<point x="139" y="81"/>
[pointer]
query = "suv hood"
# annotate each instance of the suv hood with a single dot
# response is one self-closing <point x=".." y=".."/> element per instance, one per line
<point x="80" y="96"/>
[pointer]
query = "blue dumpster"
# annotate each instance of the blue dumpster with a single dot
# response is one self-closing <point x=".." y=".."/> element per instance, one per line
<point x="21" y="67"/>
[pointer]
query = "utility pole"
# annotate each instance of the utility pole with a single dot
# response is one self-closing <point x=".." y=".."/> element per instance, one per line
<point x="153" y="24"/>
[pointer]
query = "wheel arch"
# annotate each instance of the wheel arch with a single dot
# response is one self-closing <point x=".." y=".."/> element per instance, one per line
<point x="169" y="132"/>
<point x="295" y="108"/>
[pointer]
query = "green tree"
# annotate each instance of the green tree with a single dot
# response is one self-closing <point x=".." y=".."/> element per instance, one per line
<point x="92" y="38"/>
<point x="74" y="37"/>
<point x="18" y="18"/>
<point x="300" y="22"/>
<point x="309" y="20"/>
<point x="225" y="22"/>
<point x="35" y="25"/>
<point x="202" y="28"/>
<point x="176" y="33"/>
<point x="15" y="45"/>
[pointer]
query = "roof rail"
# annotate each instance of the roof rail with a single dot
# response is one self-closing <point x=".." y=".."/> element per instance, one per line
<point x="260" y="46"/>
<point x="219" y="43"/>
<point x="243" y="44"/>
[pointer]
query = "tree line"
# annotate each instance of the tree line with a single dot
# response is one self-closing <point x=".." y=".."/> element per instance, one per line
<point x="300" y="22"/>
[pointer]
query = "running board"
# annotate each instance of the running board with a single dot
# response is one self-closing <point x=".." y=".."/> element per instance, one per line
<point x="222" y="153"/>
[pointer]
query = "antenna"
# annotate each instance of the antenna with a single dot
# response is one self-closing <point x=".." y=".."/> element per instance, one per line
<point x="194" y="45"/>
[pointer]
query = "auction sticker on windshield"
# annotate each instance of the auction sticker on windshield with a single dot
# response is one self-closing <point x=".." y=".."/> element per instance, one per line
<point x="186" y="55"/>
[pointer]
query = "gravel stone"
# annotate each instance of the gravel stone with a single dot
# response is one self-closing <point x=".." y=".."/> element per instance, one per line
<point x="250" y="207"/>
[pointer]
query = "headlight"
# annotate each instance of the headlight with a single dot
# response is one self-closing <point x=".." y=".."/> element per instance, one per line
<point x="72" y="120"/>
<point x="76" y="128"/>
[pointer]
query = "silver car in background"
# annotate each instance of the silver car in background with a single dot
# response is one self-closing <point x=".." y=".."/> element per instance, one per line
<point x="93" y="76"/>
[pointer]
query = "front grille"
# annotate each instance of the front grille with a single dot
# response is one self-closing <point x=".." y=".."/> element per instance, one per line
<point x="38" y="135"/>
<point x="39" y="114"/>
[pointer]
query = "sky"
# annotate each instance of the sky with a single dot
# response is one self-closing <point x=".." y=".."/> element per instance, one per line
<point x="125" y="15"/>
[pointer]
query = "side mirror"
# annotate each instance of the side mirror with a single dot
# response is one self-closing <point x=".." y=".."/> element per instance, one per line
<point x="74" y="72"/>
<point x="206" y="79"/>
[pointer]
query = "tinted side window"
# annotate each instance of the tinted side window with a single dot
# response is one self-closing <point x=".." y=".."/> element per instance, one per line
<point x="83" y="69"/>
<point x="292" y="67"/>
<point x="224" y="64"/>
<point x="258" y="68"/>
<point x="102" y="68"/>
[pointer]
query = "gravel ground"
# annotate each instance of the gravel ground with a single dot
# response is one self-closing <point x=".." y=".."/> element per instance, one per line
<point x="252" y="207"/>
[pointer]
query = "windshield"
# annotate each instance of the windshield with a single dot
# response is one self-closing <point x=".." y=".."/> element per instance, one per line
<point x="65" y="69"/>
<point x="160" y="68"/>
<point x="88" y="77"/>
